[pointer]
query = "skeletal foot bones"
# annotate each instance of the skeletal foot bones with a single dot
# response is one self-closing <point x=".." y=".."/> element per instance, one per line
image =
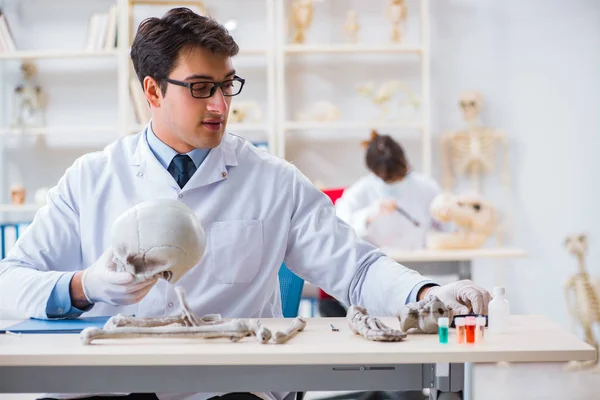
<point x="188" y="325"/>
<point x="371" y="328"/>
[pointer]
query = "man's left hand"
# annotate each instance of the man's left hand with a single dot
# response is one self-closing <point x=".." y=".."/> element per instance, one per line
<point x="462" y="297"/>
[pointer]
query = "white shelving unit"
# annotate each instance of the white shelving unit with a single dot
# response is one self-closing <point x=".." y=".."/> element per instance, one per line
<point x="25" y="208"/>
<point x="351" y="48"/>
<point x="58" y="130"/>
<point x="306" y="130"/>
<point x="276" y="52"/>
<point x="45" y="54"/>
<point x="125" y="124"/>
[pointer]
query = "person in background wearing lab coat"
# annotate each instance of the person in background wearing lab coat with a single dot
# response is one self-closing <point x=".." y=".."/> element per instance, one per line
<point x="392" y="191"/>
<point x="257" y="210"/>
<point x="390" y="206"/>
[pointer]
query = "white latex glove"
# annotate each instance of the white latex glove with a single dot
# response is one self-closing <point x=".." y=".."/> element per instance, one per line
<point x="103" y="284"/>
<point x="462" y="297"/>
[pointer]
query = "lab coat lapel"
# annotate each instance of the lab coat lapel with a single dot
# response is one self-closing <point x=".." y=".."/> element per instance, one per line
<point x="147" y="167"/>
<point x="214" y="167"/>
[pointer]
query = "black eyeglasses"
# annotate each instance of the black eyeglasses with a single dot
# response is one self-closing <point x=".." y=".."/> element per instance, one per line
<point x="204" y="90"/>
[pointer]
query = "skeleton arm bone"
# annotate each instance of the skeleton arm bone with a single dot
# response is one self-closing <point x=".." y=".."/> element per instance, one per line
<point x="297" y="325"/>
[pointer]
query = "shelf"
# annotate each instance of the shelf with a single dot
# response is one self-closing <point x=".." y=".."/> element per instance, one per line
<point x="231" y="127"/>
<point x="359" y="125"/>
<point x="31" y="55"/>
<point x="245" y="127"/>
<point x="352" y="48"/>
<point x="57" y="130"/>
<point x="452" y="255"/>
<point x="252" y="52"/>
<point x="19" y="208"/>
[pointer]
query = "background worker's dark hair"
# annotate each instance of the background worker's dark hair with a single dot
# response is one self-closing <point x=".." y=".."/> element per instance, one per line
<point x="160" y="41"/>
<point x="385" y="157"/>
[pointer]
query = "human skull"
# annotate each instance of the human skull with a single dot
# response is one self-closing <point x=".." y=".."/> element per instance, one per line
<point x="471" y="103"/>
<point x="577" y="244"/>
<point x="160" y="238"/>
<point x="468" y="211"/>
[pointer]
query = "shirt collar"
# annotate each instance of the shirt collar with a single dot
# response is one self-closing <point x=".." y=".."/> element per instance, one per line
<point x="165" y="154"/>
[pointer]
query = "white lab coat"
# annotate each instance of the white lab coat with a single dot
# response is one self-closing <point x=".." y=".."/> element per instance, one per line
<point x="413" y="194"/>
<point x="257" y="210"/>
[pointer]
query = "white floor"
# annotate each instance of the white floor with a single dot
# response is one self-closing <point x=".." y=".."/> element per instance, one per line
<point x="501" y="382"/>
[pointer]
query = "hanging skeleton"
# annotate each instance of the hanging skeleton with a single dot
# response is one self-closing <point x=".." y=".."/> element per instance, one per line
<point x="582" y="300"/>
<point x="473" y="150"/>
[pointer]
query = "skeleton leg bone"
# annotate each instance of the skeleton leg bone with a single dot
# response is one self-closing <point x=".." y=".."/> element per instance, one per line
<point x="187" y="317"/>
<point x="262" y="333"/>
<point x="120" y="321"/>
<point x="235" y="330"/>
<point x="298" y="324"/>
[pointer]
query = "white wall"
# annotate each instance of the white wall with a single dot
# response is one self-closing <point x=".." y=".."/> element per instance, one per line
<point x="537" y="64"/>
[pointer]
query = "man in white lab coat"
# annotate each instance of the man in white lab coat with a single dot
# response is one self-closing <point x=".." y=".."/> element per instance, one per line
<point x="257" y="210"/>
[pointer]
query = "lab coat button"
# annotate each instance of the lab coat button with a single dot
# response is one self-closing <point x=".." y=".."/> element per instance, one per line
<point x="224" y="174"/>
<point x="180" y="196"/>
<point x="170" y="304"/>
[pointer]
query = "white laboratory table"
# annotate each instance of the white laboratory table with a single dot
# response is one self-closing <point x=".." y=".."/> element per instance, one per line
<point x="444" y="262"/>
<point x="317" y="359"/>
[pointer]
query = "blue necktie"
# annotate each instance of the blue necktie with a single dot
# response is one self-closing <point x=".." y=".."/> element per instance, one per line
<point x="182" y="168"/>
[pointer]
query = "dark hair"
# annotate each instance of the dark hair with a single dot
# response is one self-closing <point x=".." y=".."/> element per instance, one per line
<point x="159" y="42"/>
<point x="385" y="157"/>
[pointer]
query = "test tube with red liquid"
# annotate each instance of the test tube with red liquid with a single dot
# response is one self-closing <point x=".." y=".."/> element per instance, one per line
<point x="470" y="329"/>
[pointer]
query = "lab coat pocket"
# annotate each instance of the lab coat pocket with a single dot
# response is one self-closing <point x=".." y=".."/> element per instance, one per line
<point x="236" y="249"/>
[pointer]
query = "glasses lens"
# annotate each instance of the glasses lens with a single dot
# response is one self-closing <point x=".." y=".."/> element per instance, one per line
<point x="232" y="87"/>
<point x="201" y="89"/>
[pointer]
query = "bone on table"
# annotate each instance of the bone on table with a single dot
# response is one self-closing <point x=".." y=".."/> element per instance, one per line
<point x="371" y="328"/>
<point x="297" y="325"/>
<point x="235" y="330"/>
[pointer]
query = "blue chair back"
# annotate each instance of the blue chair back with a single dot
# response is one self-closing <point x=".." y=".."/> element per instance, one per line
<point x="291" y="287"/>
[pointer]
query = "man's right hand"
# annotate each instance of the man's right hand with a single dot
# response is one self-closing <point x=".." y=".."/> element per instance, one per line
<point x="101" y="283"/>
